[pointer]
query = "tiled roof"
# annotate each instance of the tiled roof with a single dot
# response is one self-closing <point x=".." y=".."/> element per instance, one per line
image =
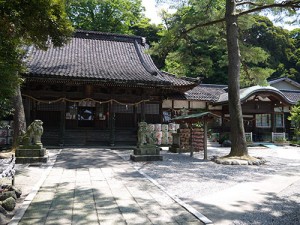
<point x="284" y="79"/>
<point x="294" y="96"/>
<point x="180" y="82"/>
<point x="99" y="57"/>
<point x="247" y="92"/>
<point x="205" y="92"/>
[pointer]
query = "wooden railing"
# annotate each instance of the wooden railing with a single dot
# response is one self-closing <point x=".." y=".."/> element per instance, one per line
<point x="249" y="138"/>
<point x="278" y="137"/>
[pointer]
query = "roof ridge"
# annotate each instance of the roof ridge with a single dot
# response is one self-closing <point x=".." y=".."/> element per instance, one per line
<point x="213" y="85"/>
<point x="109" y="36"/>
<point x="286" y="90"/>
<point x="147" y="67"/>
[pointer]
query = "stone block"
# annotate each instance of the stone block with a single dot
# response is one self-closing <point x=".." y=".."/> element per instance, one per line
<point x="147" y="150"/>
<point x="25" y="160"/>
<point x="30" y="152"/>
<point x="8" y="194"/>
<point x="24" y="156"/>
<point x="143" y="158"/>
<point x="9" y="204"/>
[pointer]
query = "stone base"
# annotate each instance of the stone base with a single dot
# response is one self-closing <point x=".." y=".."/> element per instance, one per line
<point x="30" y="160"/>
<point x="176" y="149"/>
<point x="146" y="150"/>
<point x="143" y="158"/>
<point x="24" y="156"/>
<point x="238" y="161"/>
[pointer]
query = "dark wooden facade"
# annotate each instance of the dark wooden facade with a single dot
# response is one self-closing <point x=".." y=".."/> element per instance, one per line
<point x="88" y="114"/>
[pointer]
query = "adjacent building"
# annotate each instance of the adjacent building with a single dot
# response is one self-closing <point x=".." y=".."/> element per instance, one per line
<point x="265" y="109"/>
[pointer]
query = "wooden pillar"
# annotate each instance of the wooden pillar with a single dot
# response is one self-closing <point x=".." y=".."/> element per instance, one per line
<point x="111" y="124"/>
<point x="143" y="117"/>
<point x="205" y="138"/>
<point x="34" y="109"/>
<point x="172" y="111"/>
<point x="62" y="126"/>
<point x="27" y="107"/>
<point x="273" y="121"/>
<point x="160" y="112"/>
<point x="135" y="120"/>
<point x="191" y="140"/>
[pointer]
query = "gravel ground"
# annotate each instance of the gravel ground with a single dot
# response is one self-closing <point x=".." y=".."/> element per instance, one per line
<point x="189" y="178"/>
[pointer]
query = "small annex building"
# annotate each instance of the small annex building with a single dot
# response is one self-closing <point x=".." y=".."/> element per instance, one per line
<point x="265" y="109"/>
<point x="96" y="89"/>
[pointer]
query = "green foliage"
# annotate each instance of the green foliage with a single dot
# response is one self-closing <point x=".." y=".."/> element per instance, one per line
<point x="267" y="51"/>
<point x="6" y="108"/>
<point x="24" y="23"/>
<point x="279" y="140"/>
<point x="145" y="29"/>
<point x="34" y="21"/>
<point x="115" y="16"/>
<point x="277" y="44"/>
<point x="295" y="118"/>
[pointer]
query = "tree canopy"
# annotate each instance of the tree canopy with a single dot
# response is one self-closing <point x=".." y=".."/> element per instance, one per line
<point x="295" y="118"/>
<point x="23" y="24"/>
<point x="267" y="51"/>
<point x="114" y="16"/>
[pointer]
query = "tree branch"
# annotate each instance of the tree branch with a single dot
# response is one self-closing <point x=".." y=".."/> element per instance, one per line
<point x="203" y="25"/>
<point x="248" y="3"/>
<point x="284" y="4"/>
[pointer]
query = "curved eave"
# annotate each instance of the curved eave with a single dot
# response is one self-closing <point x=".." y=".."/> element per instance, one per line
<point x="85" y="80"/>
<point x="183" y="88"/>
<point x="259" y="90"/>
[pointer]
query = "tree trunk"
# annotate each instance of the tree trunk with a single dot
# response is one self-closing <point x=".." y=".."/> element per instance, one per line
<point x="19" y="117"/>
<point x="238" y="139"/>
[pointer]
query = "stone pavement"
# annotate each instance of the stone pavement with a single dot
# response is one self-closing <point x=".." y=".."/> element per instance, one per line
<point x="95" y="186"/>
<point x="226" y="206"/>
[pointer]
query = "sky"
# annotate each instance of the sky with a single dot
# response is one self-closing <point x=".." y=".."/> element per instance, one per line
<point x="152" y="12"/>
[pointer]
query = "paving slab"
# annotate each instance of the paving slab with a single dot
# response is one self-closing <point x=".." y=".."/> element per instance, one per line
<point x="96" y="186"/>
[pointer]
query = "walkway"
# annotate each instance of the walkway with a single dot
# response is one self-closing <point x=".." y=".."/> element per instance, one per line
<point x="95" y="186"/>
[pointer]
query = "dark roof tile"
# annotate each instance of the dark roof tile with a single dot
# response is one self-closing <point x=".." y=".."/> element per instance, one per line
<point x="294" y="96"/>
<point x="102" y="57"/>
<point x="206" y="92"/>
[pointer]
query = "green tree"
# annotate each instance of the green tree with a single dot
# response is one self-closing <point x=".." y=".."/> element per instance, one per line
<point x="214" y="12"/>
<point x="275" y="41"/>
<point x="202" y="52"/>
<point x="115" y="16"/>
<point x="295" y="118"/>
<point x="24" y="23"/>
<point x="292" y="70"/>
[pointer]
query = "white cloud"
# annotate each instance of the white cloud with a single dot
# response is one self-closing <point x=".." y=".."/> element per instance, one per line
<point x="151" y="11"/>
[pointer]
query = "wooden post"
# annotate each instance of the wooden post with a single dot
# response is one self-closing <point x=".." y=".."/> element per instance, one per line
<point x="143" y="112"/>
<point x="273" y="116"/>
<point x="62" y="123"/>
<point x="111" y="125"/>
<point x="27" y="105"/>
<point x="135" y="120"/>
<point x="191" y="141"/>
<point x="205" y="138"/>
